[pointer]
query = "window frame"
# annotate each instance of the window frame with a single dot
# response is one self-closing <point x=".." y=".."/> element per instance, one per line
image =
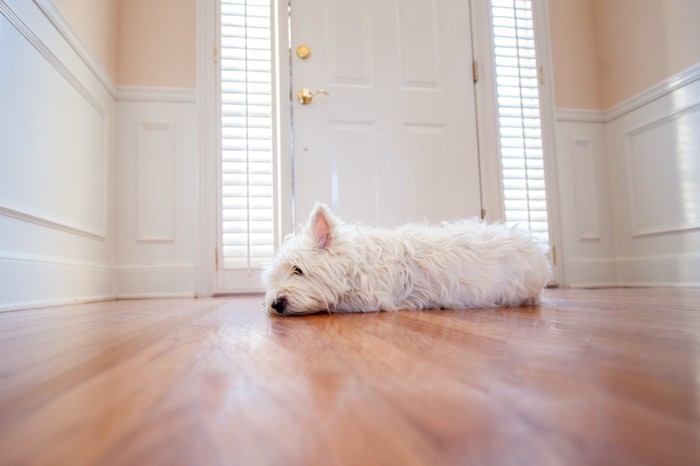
<point x="211" y="279"/>
<point x="488" y="123"/>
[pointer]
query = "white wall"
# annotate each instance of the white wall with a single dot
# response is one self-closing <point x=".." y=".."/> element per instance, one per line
<point x="57" y="145"/>
<point x="630" y="188"/>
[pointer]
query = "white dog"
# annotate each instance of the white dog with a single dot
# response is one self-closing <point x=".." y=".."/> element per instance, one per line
<point x="337" y="267"/>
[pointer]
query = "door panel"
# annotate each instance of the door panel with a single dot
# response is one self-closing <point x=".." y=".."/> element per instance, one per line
<point x="395" y="138"/>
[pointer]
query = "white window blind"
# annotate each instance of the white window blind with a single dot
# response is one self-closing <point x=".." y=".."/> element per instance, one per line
<point x="246" y="133"/>
<point x="517" y="90"/>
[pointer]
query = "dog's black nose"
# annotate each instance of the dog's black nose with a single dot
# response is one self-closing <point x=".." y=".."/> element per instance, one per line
<point x="279" y="304"/>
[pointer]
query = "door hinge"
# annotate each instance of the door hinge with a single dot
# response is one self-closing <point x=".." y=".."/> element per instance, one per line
<point x="554" y="255"/>
<point x="475" y="70"/>
<point x="216" y="54"/>
<point x="540" y="75"/>
<point x="483" y="214"/>
<point x="216" y="258"/>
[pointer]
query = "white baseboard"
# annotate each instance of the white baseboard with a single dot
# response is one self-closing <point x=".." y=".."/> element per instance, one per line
<point x="156" y="281"/>
<point x="37" y="282"/>
<point x="661" y="271"/>
<point x="591" y="273"/>
<point x="658" y="271"/>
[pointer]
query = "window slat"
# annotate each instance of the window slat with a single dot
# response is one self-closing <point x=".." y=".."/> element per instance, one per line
<point x="246" y="133"/>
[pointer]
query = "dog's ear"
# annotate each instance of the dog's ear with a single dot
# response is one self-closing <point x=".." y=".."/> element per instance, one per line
<point x="321" y="224"/>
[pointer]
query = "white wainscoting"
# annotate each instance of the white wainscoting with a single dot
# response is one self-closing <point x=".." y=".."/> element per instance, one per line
<point x="630" y="188"/>
<point x="157" y="189"/>
<point x="654" y="154"/>
<point x="56" y="154"/>
<point x="588" y="257"/>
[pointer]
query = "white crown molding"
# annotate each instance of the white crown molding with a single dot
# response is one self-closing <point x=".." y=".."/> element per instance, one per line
<point x="665" y="87"/>
<point x="56" y="18"/>
<point x="156" y="94"/>
<point x="657" y="91"/>
<point x="580" y="115"/>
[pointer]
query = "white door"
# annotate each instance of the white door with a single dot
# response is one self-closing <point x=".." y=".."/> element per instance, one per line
<point x="394" y="140"/>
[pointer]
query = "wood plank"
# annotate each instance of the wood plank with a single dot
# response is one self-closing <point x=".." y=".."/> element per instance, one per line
<point x="589" y="377"/>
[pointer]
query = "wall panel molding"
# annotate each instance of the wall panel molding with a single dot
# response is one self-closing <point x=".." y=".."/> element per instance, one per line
<point x="662" y="153"/>
<point x="25" y="213"/>
<point x="155" y="188"/>
<point x="586" y="188"/>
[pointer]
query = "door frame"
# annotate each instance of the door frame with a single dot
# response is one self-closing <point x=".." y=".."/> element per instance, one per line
<point x="487" y="129"/>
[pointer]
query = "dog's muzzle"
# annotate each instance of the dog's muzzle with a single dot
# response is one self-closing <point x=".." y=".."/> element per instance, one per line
<point x="279" y="305"/>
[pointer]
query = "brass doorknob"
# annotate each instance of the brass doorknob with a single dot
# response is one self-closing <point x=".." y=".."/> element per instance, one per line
<point x="305" y="95"/>
<point x="303" y="52"/>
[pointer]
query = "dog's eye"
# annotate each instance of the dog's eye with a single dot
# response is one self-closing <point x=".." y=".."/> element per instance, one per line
<point x="298" y="271"/>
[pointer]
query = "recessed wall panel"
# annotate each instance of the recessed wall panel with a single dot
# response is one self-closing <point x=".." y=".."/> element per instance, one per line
<point x="155" y="190"/>
<point x="53" y="146"/>
<point x="664" y="168"/>
<point x="585" y="186"/>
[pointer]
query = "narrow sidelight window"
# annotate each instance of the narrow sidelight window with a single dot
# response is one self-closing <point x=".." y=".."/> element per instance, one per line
<point x="247" y="194"/>
<point x="520" y="129"/>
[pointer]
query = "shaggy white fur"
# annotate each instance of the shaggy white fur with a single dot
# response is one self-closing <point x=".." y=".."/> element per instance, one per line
<point x="336" y="267"/>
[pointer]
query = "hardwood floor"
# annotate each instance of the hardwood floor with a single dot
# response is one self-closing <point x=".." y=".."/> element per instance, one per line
<point x="590" y="377"/>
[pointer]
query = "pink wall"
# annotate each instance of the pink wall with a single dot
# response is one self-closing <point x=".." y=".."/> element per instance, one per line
<point x="139" y="42"/>
<point x="575" y="54"/>
<point x="603" y="51"/>
<point x="156" y="43"/>
<point x="643" y="42"/>
<point x="96" y="24"/>
<point x="606" y="51"/>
